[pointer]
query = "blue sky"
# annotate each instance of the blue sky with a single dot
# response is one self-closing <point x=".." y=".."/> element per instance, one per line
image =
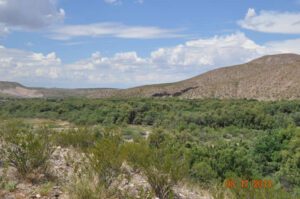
<point x="124" y="43"/>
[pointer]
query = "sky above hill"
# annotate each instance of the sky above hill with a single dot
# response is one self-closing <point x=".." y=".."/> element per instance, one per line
<point x="125" y="43"/>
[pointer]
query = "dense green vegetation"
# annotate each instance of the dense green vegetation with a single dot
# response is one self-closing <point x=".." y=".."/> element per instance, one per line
<point x="169" y="113"/>
<point x="203" y="141"/>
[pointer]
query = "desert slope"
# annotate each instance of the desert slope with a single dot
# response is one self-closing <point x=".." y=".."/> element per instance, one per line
<point x="267" y="78"/>
<point x="12" y="89"/>
<point x="270" y="77"/>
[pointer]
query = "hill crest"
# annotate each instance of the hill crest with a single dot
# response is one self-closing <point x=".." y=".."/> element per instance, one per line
<point x="271" y="77"/>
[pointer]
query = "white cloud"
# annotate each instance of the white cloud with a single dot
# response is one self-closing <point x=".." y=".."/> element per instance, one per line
<point x="115" y="2"/>
<point x="112" y="30"/>
<point x="126" y="69"/>
<point x="2" y="2"/>
<point x="286" y="46"/>
<point x="3" y="30"/>
<point x="272" y="22"/>
<point x="29" y="14"/>
<point x="18" y="64"/>
<point x="216" y="51"/>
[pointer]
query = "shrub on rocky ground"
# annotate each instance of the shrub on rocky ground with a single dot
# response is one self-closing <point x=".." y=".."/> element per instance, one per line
<point x="106" y="158"/>
<point x="163" y="166"/>
<point x="28" y="150"/>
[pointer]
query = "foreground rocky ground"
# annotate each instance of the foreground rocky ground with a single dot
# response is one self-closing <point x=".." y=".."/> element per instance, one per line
<point x="64" y="166"/>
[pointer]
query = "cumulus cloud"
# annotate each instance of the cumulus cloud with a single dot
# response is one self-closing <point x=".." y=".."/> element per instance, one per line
<point x="29" y="14"/>
<point x="18" y="64"/>
<point x="219" y="50"/>
<point x="286" y="46"/>
<point x="126" y="69"/>
<point x="272" y="22"/>
<point x="112" y="30"/>
<point x="3" y="29"/>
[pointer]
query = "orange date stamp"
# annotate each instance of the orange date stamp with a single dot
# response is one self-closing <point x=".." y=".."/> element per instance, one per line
<point x="257" y="184"/>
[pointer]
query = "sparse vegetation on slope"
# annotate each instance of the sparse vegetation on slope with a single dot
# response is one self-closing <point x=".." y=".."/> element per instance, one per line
<point x="273" y="77"/>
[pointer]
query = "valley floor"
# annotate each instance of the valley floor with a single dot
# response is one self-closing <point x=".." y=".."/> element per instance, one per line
<point x="142" y="148"/>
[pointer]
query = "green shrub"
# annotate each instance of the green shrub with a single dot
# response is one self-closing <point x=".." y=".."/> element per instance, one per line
<point x="203" y="172"/>
<point x="240" y="138"/>
<point x="46" y="188"/>
<point x="163" y="167"/>
<point x="81" y="138"/>
<point x="28" y="150"/>
<point x="106" y="158"/>
<point x="10" y="186"/>
<point x="84" y="188"/>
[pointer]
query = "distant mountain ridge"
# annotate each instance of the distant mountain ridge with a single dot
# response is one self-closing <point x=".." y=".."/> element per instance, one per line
<point x="271" y="77"/>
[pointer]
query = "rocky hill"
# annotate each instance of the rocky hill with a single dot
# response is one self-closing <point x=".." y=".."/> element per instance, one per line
<point x="12" y="89"/>
<point x="267" y="78"/>
<point x="270" y="77"/>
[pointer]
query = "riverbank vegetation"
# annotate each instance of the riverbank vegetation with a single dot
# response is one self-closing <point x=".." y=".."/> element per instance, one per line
<point x="202" y="142"/>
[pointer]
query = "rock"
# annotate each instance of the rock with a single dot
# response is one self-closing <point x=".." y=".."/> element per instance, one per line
<point x="186" y="192"/>
<point x="9" y="197"/>
<point x="56" y="192"/>
<point x="11" y="174"/>
<point x="21" y="186"/>
<point x="63" y="161"/>
<point x="20" y="196"/>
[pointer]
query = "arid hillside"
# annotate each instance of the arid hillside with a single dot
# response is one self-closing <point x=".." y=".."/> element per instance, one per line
<point x="270" y="77"/>
<point x="267" y="78"/>
<point x="12" y="89"/>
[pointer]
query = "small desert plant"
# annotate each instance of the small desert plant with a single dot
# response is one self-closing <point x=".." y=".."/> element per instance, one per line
<point x="82" y="189"/>
<point x="6" y="184"/>
<point x="46" y="188"/>
<point x="84" y="185"/>
<point x="106" y="158"/>
<point x="10" y="186"/>
<point x="217" y="191"/>
<point x="163" y="170"/>
<point x="28" y="150"/>
<point x="160" y="182"/>
<point x="165" y="165"/>
<point x="162" y="166"/>
<point x="203" y="173"/>
<point x="81" y="138"/>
